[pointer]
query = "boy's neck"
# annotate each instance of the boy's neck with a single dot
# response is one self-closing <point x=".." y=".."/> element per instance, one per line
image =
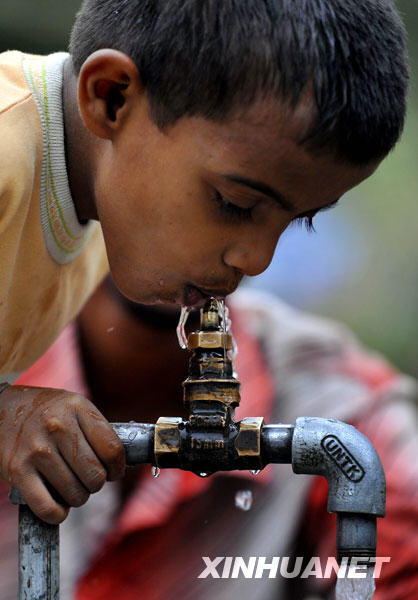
<point x="79" y="153"/>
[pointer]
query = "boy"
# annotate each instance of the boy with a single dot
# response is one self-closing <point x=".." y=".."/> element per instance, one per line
<point x="274" y="109"/>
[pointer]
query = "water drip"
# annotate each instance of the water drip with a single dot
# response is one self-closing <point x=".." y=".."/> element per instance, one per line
<point x="226" y="328"/>
<point x="181" y="334"/>
<point x="244" y="499"/>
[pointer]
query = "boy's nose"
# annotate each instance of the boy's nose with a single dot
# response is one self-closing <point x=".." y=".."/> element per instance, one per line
<point x="251" y="258"/>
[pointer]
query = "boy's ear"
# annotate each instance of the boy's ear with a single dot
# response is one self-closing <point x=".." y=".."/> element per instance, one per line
<point x="108" y="84"/>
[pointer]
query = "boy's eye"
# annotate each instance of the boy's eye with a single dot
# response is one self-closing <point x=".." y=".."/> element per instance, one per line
<point x="306" y="220"/>
<point x="232" y="212"/>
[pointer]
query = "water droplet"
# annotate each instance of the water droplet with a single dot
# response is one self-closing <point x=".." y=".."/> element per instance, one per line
<point x="110" y="329"/>
<point x="203" y="474"/>
<point x="181" y="334"/>
<point x="155" y="472"/>
<point x="234" y="350"/>
<point x="244" y="499"/>
<point x="221" y="312"/>
<point x="226" y="328"/>
<point x="226" y="319"/>
<point x="255" y="472"/>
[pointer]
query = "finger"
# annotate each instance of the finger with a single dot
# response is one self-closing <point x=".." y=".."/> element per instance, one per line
<point x="81" y="459"/>
<point x="104" y="441"/>
<point x="59" y="475"/>
<point x="39" y="499"/>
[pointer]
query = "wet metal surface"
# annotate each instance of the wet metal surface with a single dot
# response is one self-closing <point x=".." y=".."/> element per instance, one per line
<point x="38" y="557"/>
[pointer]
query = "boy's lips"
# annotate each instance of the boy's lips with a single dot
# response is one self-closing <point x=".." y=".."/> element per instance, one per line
<point x="196" y="297"/>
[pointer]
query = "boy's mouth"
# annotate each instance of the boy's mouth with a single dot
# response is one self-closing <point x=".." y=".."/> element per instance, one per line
<point x="196" y="297"/>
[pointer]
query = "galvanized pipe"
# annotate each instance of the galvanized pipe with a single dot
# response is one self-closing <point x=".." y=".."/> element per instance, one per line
<point x="276" y="443"/>
<point x="39" y="577"/>
<point x="138" y="442"/>
<point x="356" y="535"/>
<point x="316" y="446"/>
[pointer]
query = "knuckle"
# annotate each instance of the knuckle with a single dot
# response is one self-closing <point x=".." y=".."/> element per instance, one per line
<point x="96" y="479"/>
<point x="114" y="451"/>
<point x="75" y="401"/>
<point x="40" y="452"/>
<point x="54" y="425"/>
<point x="76" y="496"/>
<point x="16" y="472"/>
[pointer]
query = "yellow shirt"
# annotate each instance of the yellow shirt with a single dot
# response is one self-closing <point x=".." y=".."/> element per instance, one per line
<point x="49" y="262"/>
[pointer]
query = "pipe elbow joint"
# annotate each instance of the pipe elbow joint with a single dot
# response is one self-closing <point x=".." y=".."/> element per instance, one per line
<point x="346" y="458"/>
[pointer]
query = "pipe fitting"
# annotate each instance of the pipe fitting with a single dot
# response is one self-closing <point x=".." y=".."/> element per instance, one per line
<point x="356" y="480"/>
<point x="348" y="461"/>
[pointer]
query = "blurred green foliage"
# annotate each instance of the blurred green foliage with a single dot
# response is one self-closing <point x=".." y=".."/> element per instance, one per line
<point x="380" y="302"/>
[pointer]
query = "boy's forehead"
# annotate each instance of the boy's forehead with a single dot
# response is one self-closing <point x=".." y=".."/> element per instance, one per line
<point x="262" y="138"/>
<point x="265" y="124"/>
<point x="263" y="143"/>
<point x="272" y="114"/>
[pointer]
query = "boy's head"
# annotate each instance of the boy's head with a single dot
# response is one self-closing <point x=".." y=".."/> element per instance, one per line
<point x="218" y="122"/>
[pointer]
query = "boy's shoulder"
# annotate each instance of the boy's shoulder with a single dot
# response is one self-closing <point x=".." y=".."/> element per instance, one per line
<point x="21" y="134"/>
<point x="13" y="83"/>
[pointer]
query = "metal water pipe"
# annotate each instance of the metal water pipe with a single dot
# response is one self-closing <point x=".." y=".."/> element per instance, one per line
<point x="210" y="440"/>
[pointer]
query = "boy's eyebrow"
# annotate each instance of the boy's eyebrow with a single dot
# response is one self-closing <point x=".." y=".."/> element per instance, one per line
<point x="269" y="191"/>
<point x="264" y="189"/>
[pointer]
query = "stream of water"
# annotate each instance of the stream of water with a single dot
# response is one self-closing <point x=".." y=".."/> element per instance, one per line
<point x="181" y="332"/>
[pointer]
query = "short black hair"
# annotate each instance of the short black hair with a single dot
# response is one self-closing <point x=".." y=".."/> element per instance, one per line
<point x="207" y="57"/>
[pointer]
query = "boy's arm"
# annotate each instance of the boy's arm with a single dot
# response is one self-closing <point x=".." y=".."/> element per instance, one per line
<point x="56" y="449"/>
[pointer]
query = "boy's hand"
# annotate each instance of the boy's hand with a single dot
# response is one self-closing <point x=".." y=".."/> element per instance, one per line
<point x="52" y="439"/>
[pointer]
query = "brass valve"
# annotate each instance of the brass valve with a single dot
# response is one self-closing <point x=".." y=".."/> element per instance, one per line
<point x="211" y="335"/>
<point x="210" y="440"/>
<point x="211" y="392"/>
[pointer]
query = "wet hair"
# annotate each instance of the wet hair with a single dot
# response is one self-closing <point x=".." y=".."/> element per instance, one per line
<point x="208" y="57"/>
